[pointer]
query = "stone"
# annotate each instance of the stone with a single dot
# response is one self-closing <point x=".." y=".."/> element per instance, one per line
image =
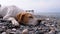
<point x="14" y="29"/>
<point x="25" y="31"/>
<point x="3" y="32"/>
<point x="8" y="31"/>
<point x="18" y="32"/>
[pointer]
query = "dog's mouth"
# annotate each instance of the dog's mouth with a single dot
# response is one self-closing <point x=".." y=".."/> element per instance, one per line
<point x="34" y="22"/>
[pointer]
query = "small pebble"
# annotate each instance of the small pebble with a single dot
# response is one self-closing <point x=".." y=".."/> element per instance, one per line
<point x="14" y="29"/>
<point x="3" y="32"/>
<point x="25" y="31"/>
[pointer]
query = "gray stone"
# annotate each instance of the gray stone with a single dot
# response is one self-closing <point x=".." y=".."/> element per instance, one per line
<point x="3" y="32"/>
<point x="25" y="31"/>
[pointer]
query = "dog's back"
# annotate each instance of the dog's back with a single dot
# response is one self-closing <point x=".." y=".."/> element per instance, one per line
<point x="10" y="10"/>
<point x="3" y="11"/>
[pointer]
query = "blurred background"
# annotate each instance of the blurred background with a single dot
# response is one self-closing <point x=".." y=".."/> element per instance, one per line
<point x="40" y="7"/>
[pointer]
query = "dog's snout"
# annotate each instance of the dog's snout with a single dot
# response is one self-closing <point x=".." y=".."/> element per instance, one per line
<point x="30" y="17"/>
<point x="39" y="21"/>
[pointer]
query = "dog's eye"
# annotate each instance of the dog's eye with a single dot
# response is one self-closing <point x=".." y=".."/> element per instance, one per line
<point x="30" y="17"/>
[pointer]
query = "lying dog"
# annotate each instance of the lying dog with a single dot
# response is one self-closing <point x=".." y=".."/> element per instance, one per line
<point x="17" y="15"/>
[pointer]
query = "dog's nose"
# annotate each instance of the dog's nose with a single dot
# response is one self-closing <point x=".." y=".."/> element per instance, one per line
<point x="38" y="22"/>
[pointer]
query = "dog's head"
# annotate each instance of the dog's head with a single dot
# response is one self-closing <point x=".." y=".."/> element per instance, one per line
<point x="26" y="18"/>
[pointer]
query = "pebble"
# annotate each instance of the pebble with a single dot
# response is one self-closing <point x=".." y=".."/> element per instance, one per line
<point x="25" y="31"/>
<point x="18" y="32"/>
<point x="8" y="31"/>
<point x="14" y="29"/>
<point x="3" y="32"/>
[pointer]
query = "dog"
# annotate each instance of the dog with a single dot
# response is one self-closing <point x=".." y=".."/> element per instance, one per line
<point x="17" y="16"/>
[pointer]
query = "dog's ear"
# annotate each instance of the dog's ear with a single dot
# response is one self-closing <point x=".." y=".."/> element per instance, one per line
<point x="19" y="17"/>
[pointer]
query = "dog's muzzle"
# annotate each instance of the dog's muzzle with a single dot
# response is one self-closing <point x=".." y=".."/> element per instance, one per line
<point x="34" y="22"/>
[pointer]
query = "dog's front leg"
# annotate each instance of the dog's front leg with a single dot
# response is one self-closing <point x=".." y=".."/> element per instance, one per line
<point x="6" y="17"/>
<point x="14" y="22"/>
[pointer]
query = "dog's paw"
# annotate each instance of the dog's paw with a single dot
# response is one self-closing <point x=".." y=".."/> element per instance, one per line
<point x="6" y="17"/>
<point x="15" y="23"/>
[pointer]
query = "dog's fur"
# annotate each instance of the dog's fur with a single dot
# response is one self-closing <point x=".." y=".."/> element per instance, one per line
<point x="9" y="13"/>
<point x="17" y="15"/>
<point x="24" y="17"/>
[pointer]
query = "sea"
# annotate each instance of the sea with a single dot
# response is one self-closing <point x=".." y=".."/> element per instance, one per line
<point x="51" y="14"/>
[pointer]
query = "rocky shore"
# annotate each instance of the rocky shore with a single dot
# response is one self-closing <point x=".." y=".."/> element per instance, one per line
<point x="46" y="26"/>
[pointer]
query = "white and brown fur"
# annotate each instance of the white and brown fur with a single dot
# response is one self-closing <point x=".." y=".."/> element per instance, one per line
<point x="16" y="14"/>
